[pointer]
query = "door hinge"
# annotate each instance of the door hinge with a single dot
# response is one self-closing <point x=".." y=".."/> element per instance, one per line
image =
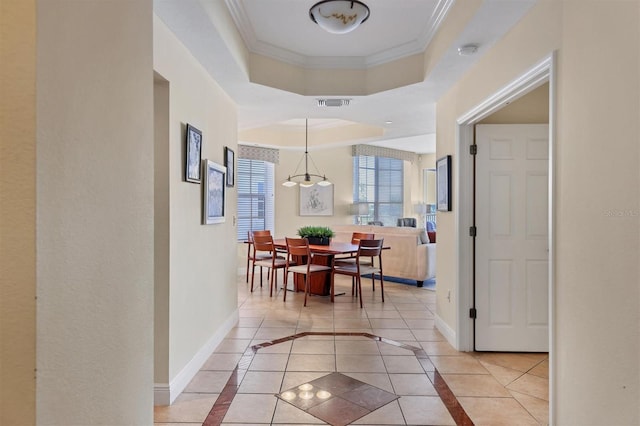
<point x="473" y="149"/>
<point x="473" y="231"/>
<point x="473" y="313"/>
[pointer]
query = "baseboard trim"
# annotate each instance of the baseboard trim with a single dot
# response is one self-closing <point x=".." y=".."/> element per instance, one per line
<point x="446" y="331"/>
<point x="166" y="393"/>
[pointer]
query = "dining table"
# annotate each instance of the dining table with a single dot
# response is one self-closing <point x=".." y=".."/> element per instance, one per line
<point x="320" y="284"/>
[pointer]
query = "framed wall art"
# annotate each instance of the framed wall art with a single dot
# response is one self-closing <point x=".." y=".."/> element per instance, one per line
<point x="229" y="163"/>
<point x="214" y="196"/>
<point x="193" y="169"/>
<point x="443" y="183"/>
<point x="316" y="200"/>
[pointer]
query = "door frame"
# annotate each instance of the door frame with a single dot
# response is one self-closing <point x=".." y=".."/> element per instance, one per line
<point x="542" y="72"/>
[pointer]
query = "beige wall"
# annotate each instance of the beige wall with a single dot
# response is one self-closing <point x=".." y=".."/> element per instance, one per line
<point x="17" y="212"/>
<point x="597" y="250"/>
<point x="532" y="108"/>
<point x="428" y="161"/>
<point x="200" y="294"/>
<point x="94" y="212"/>
<point x="337" y="165"/>
<point x="162" y="228"/>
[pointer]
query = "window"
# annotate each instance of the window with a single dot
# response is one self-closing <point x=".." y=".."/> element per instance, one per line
<point x="254" y="180"/>
<point x="378" y="181"/>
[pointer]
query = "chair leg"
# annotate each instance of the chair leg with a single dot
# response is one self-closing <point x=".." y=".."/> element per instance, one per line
<point x="253" y="273"/>
<point x="286" y="273"/>
<point x="248" y="256"/>
<point x="261" y="276"/>
<point x="333" y="291"/>
<point x="306" y="289"/>
<point x="359" y="281"/>
<point x="271" y="281"/>
<point x="373" y="277"/>
<point x="382" y="287"/>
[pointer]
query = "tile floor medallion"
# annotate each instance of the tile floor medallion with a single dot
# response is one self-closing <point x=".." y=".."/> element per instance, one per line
<point x="337" y="399"/>
<point x="337" y="364"/>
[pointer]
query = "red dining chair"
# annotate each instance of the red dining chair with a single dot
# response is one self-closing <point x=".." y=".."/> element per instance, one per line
<point x="355" y="239"/>
<point x="252" y="256"/>
<point x="298" y="251"/>
<point x="263" y="247"/>
<point x="349" y="260"/>
<point x="367" y="249"/>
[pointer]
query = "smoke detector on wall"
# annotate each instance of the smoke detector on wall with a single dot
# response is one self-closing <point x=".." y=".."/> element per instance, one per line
<point x="334" y="102"/>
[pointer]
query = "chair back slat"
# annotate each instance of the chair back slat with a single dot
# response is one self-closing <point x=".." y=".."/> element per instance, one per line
<point x="251" y="234"/>
<point x="370" y="248"/>
<point x="298" y="247"/>
<point x="263" y="243"/>
<point x="357" y="236"/>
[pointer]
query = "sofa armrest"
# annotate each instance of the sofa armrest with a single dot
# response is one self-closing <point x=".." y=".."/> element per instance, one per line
<point x="431" y="260"/>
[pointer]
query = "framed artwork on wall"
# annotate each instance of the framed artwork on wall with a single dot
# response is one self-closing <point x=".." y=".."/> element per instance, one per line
<point x="229" y="163"/>
<point x="443" y="183"/>
<point x="214" y="196"/>
<point x="193" y="170"/>
<point x="316" y="200"/>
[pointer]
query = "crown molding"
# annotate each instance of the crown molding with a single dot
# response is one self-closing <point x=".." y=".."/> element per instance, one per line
<point x="419" y="45"/>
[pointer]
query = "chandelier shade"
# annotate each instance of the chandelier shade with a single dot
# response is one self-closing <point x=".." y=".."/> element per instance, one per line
<point x="308" y="179"/>
<point x="339" y="16"/>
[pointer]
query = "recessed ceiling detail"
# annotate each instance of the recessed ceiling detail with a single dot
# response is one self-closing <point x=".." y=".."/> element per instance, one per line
<point x="290" y="36"/>
<point x="298" y="63"/>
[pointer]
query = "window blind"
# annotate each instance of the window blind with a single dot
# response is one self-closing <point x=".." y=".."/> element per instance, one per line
<point x="254" y="182"/>
<point x="379" y="183"/>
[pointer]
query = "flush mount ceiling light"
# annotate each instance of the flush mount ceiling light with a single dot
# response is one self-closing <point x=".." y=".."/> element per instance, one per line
<point x="306" y="176"/>
<point x="339" y="16"/>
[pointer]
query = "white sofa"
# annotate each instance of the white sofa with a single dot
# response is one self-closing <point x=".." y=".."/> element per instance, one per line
<point x="410" y="256"/>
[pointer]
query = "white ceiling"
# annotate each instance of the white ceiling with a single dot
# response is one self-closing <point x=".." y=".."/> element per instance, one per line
<point x="413" y="21"/>
<point x="282" y="30"/>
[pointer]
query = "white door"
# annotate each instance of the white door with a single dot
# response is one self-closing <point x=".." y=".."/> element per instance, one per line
<point x="512" y="180"/>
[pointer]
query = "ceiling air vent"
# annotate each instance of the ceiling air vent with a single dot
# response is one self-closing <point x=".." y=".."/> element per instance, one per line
<point x="333" y="102"/>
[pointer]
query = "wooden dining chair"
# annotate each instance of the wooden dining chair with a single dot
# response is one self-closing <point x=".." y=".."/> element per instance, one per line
<point x="355" y="239"/>
<point x="268" y="258"/>
<point x="367" y="249"/>
<point x="298" y="251"/>
<point x="350" y="259"/>
<point x="252" y="256"/>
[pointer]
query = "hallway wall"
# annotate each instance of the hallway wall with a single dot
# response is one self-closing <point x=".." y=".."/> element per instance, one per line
<point x="17" y="212"/>
<point x="597" y="246"/>
<point x="94" y="212"/>
<point x="196" y="294"/>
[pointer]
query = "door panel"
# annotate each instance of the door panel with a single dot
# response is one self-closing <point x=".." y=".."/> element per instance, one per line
<point x="500" y="298"/>
<point x="512" y="238"/>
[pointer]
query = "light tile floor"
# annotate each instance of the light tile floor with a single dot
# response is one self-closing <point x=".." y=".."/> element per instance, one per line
<point x="493" y="388"/>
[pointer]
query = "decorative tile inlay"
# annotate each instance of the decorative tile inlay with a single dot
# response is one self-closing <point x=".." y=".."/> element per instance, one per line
<point x="342" y="406"/>
<point x="337" y="399"/>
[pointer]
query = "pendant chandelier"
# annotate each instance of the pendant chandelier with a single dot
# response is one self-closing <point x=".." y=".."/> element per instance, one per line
<point x="306" y="180"/>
